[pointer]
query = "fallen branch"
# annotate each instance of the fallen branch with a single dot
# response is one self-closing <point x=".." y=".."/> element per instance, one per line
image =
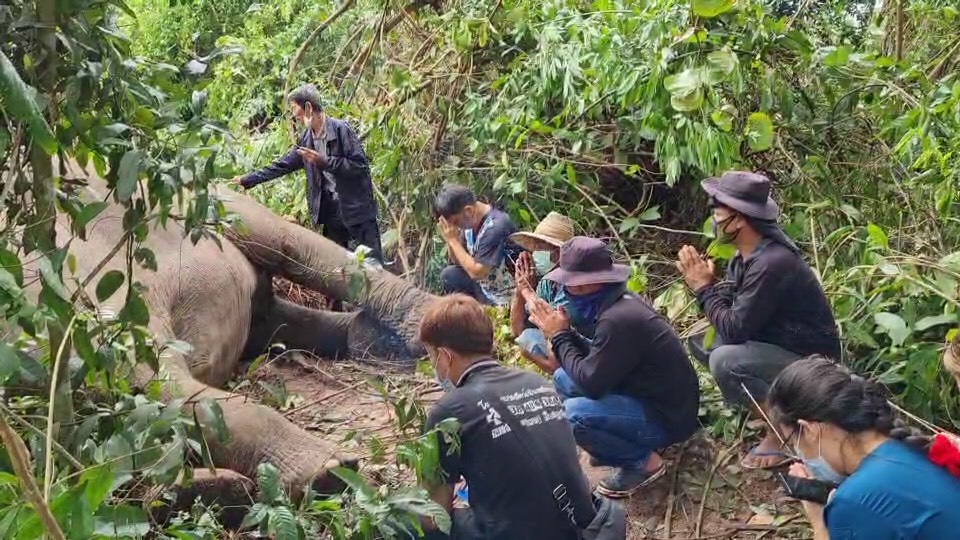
<point x="721" y="460"/>
<point x="20" y="459"/>
<point x="668" y="518"/>
<point x="298" y="56"/>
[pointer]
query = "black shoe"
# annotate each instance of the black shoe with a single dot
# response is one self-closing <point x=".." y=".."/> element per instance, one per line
<point x="626" y="481"/>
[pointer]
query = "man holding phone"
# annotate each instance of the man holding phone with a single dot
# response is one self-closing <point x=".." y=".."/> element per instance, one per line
<point x="339" y="188"/>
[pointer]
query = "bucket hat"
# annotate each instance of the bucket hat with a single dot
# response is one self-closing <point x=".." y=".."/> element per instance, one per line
<point x="587" y="261"/>
<point x="746" y="192"/>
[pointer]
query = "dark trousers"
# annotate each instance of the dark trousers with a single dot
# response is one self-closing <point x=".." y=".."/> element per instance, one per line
<point x="454" y="279"/>
<point x="366" y="233"/>
<point x="753" y="364"/>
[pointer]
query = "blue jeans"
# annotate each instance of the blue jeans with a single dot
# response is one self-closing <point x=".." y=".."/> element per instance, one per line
<point x="616" y="429"/>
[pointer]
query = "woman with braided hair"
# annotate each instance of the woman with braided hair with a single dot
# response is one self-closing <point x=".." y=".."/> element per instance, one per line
<point x="839" y="426"/>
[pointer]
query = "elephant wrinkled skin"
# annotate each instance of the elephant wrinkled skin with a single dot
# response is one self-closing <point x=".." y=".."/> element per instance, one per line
<point x="219" y="301"/>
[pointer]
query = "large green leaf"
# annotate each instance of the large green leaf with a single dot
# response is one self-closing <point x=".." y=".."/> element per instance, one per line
<point x="690" y="102"/>
<point x="128" y="174"/>
<point x="211" y="414"/>
<point x="935" y="320"/>
<point x="712" y="8"/>
<point x="268" y="481"/>
<point x="122" y="522"/>
<point x="894" y="326"/>
<point x="98" y="484"/>
<point x="283" y="524"/>
<point x="20" y="100"/>
<point x="9" y="361"/>
<point x="722" y="119"/>
<point x="720" y="64"/>
<point x="684" y="83"/>
<point x="108" y="284"/>
<point x="759" y="132"/>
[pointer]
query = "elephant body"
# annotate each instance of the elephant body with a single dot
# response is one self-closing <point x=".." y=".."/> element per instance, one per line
<point x="219" y="300"/>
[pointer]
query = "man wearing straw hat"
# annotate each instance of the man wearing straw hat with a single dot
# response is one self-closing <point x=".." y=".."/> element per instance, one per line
<point x="629" y="391"/>
<point x="542" y="253"/>
<point x="777" y="312"/>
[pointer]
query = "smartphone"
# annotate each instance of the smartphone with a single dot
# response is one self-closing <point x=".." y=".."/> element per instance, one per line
<point x="805" y="489"/>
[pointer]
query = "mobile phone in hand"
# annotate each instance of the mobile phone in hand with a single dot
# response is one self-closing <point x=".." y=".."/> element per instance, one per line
<point x="806" y="489"/>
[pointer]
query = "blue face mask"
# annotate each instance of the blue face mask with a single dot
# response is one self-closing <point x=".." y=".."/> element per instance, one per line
<point x="587" y="306"/>
<point x="445" y="383"/>
<point x="818" y="467"/>
<point x="541" y="260"/>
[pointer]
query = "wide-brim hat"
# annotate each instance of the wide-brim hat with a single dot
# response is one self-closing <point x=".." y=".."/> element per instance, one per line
<point x="551" y="233"/>
<point x="746" y="192"/>
<point x="587" y="261"/>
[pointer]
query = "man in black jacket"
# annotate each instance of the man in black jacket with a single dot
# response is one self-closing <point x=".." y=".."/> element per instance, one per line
<point x="630" y="390"/>
<point x="339" y="188"/>
<point x="771" y="312"/>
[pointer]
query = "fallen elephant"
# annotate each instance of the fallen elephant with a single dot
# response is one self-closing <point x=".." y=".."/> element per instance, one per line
<point x="220" y="302"/>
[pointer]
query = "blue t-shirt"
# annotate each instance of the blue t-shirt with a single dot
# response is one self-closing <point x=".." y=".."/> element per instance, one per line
<point x="897" y="493"/>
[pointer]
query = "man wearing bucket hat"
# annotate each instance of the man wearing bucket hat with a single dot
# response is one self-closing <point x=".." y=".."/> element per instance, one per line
<point x="777" y="312"/>
<point x="629" y="391"/>
<point x="542" y="253"/>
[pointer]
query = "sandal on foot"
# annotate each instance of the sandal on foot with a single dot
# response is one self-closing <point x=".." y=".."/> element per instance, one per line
<point x="626" y="481"/>
<point x="758" y="454"/>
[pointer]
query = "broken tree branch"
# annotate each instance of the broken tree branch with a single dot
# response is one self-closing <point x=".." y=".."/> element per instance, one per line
<point x="20" y="459"/>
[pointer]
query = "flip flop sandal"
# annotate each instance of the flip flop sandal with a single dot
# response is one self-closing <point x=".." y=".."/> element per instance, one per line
<point x="757" y="454"/>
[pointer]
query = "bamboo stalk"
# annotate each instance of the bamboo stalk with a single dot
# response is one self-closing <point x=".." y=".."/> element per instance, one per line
<point x="20" y="459"/>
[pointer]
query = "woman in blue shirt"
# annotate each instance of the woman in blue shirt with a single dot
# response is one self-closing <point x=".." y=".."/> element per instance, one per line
<point x="839" y="424"/>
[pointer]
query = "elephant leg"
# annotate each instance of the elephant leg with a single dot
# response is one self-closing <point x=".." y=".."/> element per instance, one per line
<point x="277" y="246"/>
<point x="326" y="334"/>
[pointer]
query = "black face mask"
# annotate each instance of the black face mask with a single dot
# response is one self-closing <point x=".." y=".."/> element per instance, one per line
<point x="720" y="233"/>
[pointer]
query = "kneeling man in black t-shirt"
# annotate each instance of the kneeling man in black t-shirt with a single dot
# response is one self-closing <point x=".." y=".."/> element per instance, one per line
<point x="517" y="452"/>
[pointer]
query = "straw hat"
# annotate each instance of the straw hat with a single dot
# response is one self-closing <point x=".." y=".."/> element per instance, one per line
<point x="551" y="233"/>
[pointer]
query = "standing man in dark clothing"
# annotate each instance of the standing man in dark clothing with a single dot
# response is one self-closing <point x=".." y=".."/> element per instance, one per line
<point x="516" y="451"/>
<point x="772" y="313"/>
<point x="478" y="239"/>
<point x="630" y="390"/>
<point x="339" y="189"/>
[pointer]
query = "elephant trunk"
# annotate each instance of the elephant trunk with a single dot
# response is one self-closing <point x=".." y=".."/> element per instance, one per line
<point x="313" y="261"/>
<point x="254" y="432"/>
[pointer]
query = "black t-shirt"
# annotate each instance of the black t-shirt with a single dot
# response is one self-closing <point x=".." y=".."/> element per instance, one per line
<point x="778" y="300"/>
<point x="635" y="352"/>
<point x="508" y="494"/>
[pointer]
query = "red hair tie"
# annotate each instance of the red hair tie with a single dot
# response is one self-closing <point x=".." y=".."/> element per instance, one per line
<point x="945" y="452"/>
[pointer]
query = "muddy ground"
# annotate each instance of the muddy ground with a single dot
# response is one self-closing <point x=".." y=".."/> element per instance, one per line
<point x="345" y="401"/>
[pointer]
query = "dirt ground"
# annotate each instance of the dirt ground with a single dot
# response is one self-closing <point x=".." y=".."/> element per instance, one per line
<point x="344" y="401"/>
